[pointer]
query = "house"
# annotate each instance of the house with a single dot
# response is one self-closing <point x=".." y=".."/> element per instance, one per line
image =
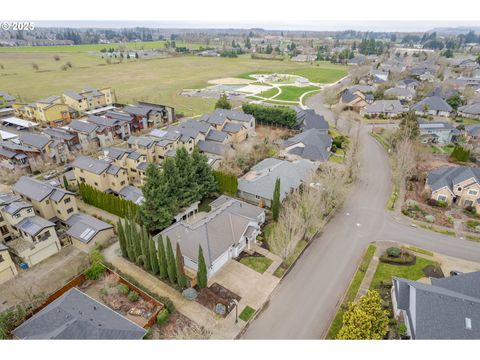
<point x="48" y="111"/>
<point x="77" y="316"/>
<point x="129" y="159"/>
<point x="85" y="231"/>
<point x="29" y="237"/>
<point x="150" y="115"/>
<point x="50" y="149"/>
<point x="236" y="123"/>
<point x="11" y="160"/>
<point x="312" y="144"/>
<point x="408" y="83"/>
<point x="110" y="129"/>
<point x="354" y="99"/>
<point x="19" y="124"/>
<point x="8" y="270"/>
<point x="304" y="58"/>
<point x="6" y="100"/>
<point x="437" y="132"/>
<point x="132" y="193"/>
<point x="448" y="308"/>
<point x="101" y="174"/>
<point x="144" y="145"/>
<point x="471" y="110"/>
<point x="50" y="202"/>
<point x="86" y="132"/>
<point x="65" y="136"/>
<point x="433" y="105"/>
<point x="472" y="133"/>
<point x="88" y="99"/>
<point x="357" y="60"/>
<point x="309" y="119"/>
<point x="258" y="184"/>
<point x="384" y="108"/>
<point x="400" y="93"/>
<point x="455" y="185"/>
<point x="223" y="233"/>
<point x="379" y="76"/>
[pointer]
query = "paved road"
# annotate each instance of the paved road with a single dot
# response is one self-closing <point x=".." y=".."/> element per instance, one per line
<point x="303" y="304"/>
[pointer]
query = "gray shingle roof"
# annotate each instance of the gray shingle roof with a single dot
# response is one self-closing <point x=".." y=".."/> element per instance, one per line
<point x="16" y="206"/>
<point x="215" y="135"/>
<point x="33" y="225"/>
<point x="90" y="164"/>
<point x="219" y="116"/>
<point x="471" y="109"/>
<point x="440" y="310"/>
<point x="260" y="180"/>
<point x="385" y="106"/>
<point x="211" y="147"/>
<point x="316" y="144"/>
<point x="132" y="193"/>
<point x="450" y="176"/>
<point x="102" y="121"/>
<point x="76" y="316"/>
<point x="232" y="128"/>
<point x="59" y="133"/>
<point x="83" y="126"/>
<point x="309" y="119"/>
<point x="38" y="190"/>
<point x="222" y="227"/>
<point x="432" y="103"/>
<point x="36" y="141"/>
<point x="73" y="94"/>
<point x="141" y="141"/>
<point x="84" y="227"/>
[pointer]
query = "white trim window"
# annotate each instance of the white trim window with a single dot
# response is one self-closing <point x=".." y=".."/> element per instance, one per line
<point x="441" y="198"/>
<point x="473" y="192"/>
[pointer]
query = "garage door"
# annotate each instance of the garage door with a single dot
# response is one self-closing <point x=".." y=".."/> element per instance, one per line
<point x="6" y="274"/>
<point x="219" y="262"/>
<point x="43" y="254"/>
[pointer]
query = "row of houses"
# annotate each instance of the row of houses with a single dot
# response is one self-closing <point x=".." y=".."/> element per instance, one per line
<point x="37" y="219"/>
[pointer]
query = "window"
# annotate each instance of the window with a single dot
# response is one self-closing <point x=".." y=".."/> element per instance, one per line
<point x="29" y="210"/>
<point x="472" y="192"/>
<point x="16" y="216"/>
<point x="122" y="182"/>
<point x="69" y="211"/>
<point x="4" y="230"/>
<point x="468" y="203"/>
<point x="96" y="184"/>
<point x="47" y="202"/>
<point x="257" y="197"/>
<point x="468" y="323"/>
<point x="82" y="179"/>
<point x="442" y="198"/>
<point x="459" y="188"/>
<point x="67" y="200"/>
<point x="58" y="212"/>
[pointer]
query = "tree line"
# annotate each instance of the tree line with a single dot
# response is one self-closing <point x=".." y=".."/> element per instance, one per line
<point x="272" y="115"/>
<point x="227" y="183"/>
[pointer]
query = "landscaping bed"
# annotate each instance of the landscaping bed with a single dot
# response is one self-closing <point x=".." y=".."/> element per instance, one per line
<point x="179" y="326"/>
<point x="216" y="295"/>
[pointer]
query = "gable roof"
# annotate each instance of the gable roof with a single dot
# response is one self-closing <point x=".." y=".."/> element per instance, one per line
<point x="309" y="119"/>
<point x="312" y="144"/>
<point x="83" y="126"/>
<point x="33" y="225"/>
<point x="433" y="103"/>
<point x="219" y="116"/>
<point x="84" y="227"/>
<point x="450" y="176"/>
<point x="90" y="164"/>
<point x="38" y="190"/>
<point x="36" y="141"/>
<point x="132" y="193"/>
<point x="76" y="316"/>
<point x="471" y="109"/>
<point x="385" y="106"/>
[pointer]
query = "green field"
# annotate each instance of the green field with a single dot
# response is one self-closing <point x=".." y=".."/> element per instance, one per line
<point x="293" y="93"/>
<point x="269" y="93"/>
<point x="157" y="80"/>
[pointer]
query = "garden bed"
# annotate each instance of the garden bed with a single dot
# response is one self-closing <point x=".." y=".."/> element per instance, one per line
<point x="217" y="294"/>
<point x="179" y="327"/>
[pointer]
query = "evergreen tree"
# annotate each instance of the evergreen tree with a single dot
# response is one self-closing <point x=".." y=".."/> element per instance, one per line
<point x="223" y="103"/>
<point x="162" y="259"/>
<point x="185" y="179"/>
<point x="171" y="266"/>
<point x="181" y="278"/>
<point x="145" y="249"/>
<point x="65" y="182"/>
<point x="203" y="174"/>
<point x="153" y="255"/>
<point x="129" y="241"/>
<point x="276" y="200"/>
<point x="202" y="270"/>
<point x="121" y="238"/>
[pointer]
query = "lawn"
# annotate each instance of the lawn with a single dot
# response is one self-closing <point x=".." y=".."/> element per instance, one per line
<point x="269" y="93"/>
<point x="351" y="292"/>
<point x="385" y="272"/>
<point x="257" y="263"/>
<point x="336" y="159"/>
<point x="246" y="313"/>
<point x="420" y="251"/>
<point x="293" y="93"/>
<point x="291" y="259"/>
<point x="158" y="80"/>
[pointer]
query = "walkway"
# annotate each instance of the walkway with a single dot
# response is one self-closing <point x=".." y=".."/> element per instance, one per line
<point x="96" y="212"/>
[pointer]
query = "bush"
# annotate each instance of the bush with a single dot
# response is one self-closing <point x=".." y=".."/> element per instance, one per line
<point x="274" y="115"/>
<point x="95" y="271"/>
<point x="405" y="259"/>
<point x="123" y="289"/>
<point x="393" y="252"/>
<point x="460" y="154"/>
<point x="133" y="296"/>
<point x="163" y="316"/>
<point x="227" y="183"/>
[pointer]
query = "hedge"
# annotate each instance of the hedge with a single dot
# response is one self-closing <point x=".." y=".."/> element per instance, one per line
<point x="272" y="115"/>
<point x="108" y="202"/>
<point x="226" y="183"/>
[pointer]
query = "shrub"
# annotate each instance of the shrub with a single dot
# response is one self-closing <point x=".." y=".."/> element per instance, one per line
<point x="275" y="115"/>
<point x="393" y="252"/>
<point x="405" y="259"/>
<point x="460" y="154"/>
<point x="133" y="296"/>
<point x="442" y="204"/>
<point x="123" y="289"/>
<point x="95" y="271"/>
<point x="163" y="316"/>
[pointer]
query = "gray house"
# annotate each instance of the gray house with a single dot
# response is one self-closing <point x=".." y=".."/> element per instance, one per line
<point x="258" y="184"/>
<point x="470" y="110"/>
<point x="433" y="105"/>
<point x="449" y="308"/>
<point x="385" y="108"/>
<point x="76" y="316"/>
<point x="313" y="145"/>
<point x="223" y="233"/>
<point x="437" y="132"/>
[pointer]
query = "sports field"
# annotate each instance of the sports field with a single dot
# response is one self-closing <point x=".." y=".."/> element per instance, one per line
<point x="158" y="80"/>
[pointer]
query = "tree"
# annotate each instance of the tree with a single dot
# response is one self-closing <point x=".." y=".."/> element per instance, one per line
<point x="162" y="259"/>
<point x="408" y="127"/>
<point x="171" y="266"/>
<point x="145" y="249"/>
<point x="181" y="278"/>
<point x="65" y="182"/>
<point x="223" y="103"/>
<point x="185" y="179"/>
<point x="202" y="270"/>
<point x="203" y="174"/>
<point x="121" y="238"/>
<point x="153" y="255"/>
<point x="276" y="200"/>
<point x="365" y="320"/>
<point x="455" y="101"/>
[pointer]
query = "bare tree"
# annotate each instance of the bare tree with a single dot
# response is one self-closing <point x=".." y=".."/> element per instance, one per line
<point x="404" y="160"/>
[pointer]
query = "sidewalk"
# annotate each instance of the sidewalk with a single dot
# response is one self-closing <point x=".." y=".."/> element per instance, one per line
<point x="96" y="212"/>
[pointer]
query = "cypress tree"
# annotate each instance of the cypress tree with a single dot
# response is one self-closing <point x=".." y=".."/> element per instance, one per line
<point x="146" y="250"/>
<point x="171" y="266"/>
<point x="129" y="242"/>
<point x="202" y="270"/>
<point x="121" y="238"/>
<point x="181" y="278"/>
<point x="276" y="200"/>
<point x="153" y="255"/>
<point x="203" y="174"/>
<point x="162" y="259"/>
<point x="137" y="242"/>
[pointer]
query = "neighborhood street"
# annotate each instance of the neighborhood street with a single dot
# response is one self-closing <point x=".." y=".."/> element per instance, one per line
<point x="304" y="303"/>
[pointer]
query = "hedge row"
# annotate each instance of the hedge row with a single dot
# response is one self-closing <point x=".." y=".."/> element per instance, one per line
<point x="108" y="202"/>
<point x="272" y="115"/>
<point x="226" y="183"/>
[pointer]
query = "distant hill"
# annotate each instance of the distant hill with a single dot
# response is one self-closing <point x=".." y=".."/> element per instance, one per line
<point x="455" y="30"/>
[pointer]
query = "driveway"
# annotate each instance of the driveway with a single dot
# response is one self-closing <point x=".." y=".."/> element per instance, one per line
<point x="45" y="277"/>
<point x="314" y="288"/>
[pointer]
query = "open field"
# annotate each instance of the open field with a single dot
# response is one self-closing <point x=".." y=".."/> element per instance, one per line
<point x="293" y="93"/>
<point x="158" y="80"/>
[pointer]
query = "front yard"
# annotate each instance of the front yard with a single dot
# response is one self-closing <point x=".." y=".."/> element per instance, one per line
<point x="257" y="263"/>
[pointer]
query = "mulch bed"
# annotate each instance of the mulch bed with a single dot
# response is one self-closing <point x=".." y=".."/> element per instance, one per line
<point x="217" y="294"/>
<point x="245" y="254"/>
<point x="179" y="327"/>
<point x="433" y="271"/>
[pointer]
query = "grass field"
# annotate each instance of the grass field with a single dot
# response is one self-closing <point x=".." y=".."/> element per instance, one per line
<point x="269" y="93"/>
<point x="293" y="93"/>
<point x="157" y="80"/>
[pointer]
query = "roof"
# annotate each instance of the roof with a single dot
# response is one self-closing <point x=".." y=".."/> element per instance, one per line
<point x="216" y="135"/>
<point x="222" y="227"/>
<point x="7" y="96"/>
<point x="132" y="193"/>
<point x="440" y="310"/>
<point x="38" y="190"/>
<point x="219" y="116"/>
<point x="232" y="127"/>
<point x="260" y="180"/>
<point x="82" y="126"/>
<point x="16" y="206"/>
<point x="450" y="176"/>
<point x="143" y="141"/>
<point x="33" y="225"/>
<point x="36" y="141"/>
<point x="19" y="122"/>
<point x="211" y="147"/>
<point x="311" y="144"/>
<point x="309" y="119"/>
<point x="432" y="103"/>
<point x="471" y="109"/>
<point x="90" y="164"/>
<point x="75" y="315"/>
<point x="399" y="91"/>
<point x="84" y="227"/>
<point x="73" y="94"/>
<point x="435" y="125"/>
<point x="385" y="106"/>
<point x="59" y="133"/>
